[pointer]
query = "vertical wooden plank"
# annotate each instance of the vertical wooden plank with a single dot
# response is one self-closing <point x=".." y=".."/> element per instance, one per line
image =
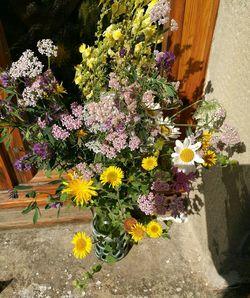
<point x="8" y="158"/>
<point x="191" y="43"/>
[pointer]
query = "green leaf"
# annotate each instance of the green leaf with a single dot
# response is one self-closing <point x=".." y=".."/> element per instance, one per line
<point x="55" y="181"/>
<point x="110" y="259"/>
<point x="31" y="194"/>
<point x="28" y="208"/>
<point x="22" y="187"/>
<point x="96" y="268"/>
<point x="35" y="216"/>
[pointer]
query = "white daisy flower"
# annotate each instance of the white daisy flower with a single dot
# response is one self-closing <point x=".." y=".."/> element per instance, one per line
<point x="185" y="155"/>
<point x="167" y="129"/>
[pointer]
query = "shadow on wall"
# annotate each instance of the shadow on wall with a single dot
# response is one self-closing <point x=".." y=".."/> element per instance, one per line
<point x="227" y="204"/>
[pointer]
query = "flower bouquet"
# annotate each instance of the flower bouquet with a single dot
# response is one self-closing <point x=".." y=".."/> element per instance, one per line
<point x="128" y="157"/>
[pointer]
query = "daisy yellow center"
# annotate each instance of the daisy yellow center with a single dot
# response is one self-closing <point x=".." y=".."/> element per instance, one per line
<point x="154" y="229"/>
<point x="112" y="177"/>
<point x="138" y="232"/>
<point x="81" y="244"/>
<point x="187" y="155"/>
<point x="165" y="130"/>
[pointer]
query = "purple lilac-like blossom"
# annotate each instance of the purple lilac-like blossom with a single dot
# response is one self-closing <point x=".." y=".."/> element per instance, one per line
<point x="70" y="122"/>
<point x="56" y="205"/>
<point x="148" y="98"/>
<point x="23" y="164"/>
<point x="113" y="81"/>
<point x="176" y="206"/>
<point x="5" y="79"/>
<point x="118" y="140"/>
<point x="182" y="181"/>
<point x="41" y="123"/>
<point x="46" y="82"/>
<point x="161" y="205"/>
<point x="122" y="52"/>
<point x="160" y="12"/>
<point x="96" y="168"/>
<point x="134" y="143"/>
<point x="41" y="150"/>
<point x="85" y="171"/>
<point x="147" y="203"/>
<point x="108" y="151"/>
<point x="229" y="135"/>
<point x="59" y="133"/>
<point x="160" y="186"/>
<point x="164" y="60"/>
<point x="77" y="110"/>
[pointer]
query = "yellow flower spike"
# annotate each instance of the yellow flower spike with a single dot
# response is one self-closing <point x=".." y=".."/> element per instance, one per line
<point x="112" y="175"/>
<point x="149" y="163"/>
<point x="138" y="47"/>
<point x="117" y="35"/>
<point x="79" y="188"/>
<point x="82" y="48"/>
<point x="137" y="231"/>
<point x="82" y="245"/>
<point x="206" y="136"/>
<point x="154" y="229"/>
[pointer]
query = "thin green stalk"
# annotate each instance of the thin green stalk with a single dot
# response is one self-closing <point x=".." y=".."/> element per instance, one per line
<point x="182" y="110"/>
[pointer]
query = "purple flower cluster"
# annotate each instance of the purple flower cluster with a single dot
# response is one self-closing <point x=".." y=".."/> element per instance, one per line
<point x="182" y="181"/>
<point x="164" y="60"/>
<point x="41" y="150"/>
<point x="88" y="171"/>
<point x="176" y="206"/>
<point x="160" y="186"/>
<point x="161" y="204"/>
<point x="23" y="164"/>
<point x="5" y="79"/>
<point x="160" y="12"/>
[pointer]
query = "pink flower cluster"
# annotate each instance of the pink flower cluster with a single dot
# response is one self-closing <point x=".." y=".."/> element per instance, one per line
<point x="103" y="115"/>
<point x="113" y="81"/>
<point x="88" y="171"/>
<point x="134" y="143"/>
<point x="70" y="122"/>
<point x="59" y="133"/>
<point x="148" y="98"/>
<point x="147" y="203"/>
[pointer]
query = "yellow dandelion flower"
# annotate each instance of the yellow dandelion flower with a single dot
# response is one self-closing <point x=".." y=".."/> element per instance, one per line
<point x="137" y="231"/>
<point x="206" y="136"/>
<point x="82" y="245"/>
<point x="149" y="163"/>
<point x="154" y="229"/>
<point x="60" y="89"/>
<point x="112" y="175"/>
<point x="81" y="133"/>
<point x="209" y="158"/>
<point x="79" y="188"/>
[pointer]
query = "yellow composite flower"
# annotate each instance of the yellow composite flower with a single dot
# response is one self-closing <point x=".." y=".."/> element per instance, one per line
<point x="82" y="245"/>
<point x="209" y="158"/>
<point x="137" y="231"/>
<point x="79" y="188"/>
<point x="60" y="89"/>
<point x="112" y="175"/>
<point x="154" y="229"/>
<point x="81" y="133"/>
<point x="149" y="163"/>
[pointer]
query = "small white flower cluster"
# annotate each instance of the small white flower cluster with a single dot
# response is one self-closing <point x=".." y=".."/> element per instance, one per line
<point x="173" y="25"/>
<point x="160" y="12"/>
<point x="28" y="66"/>
<point x="210" y="114"/>
<point x="46" y="47"/>
<point x="30" y="97"/>
<point x="95" y="146"/>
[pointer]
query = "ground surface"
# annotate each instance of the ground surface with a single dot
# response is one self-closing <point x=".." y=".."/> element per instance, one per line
<point x="39" y="263"/>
